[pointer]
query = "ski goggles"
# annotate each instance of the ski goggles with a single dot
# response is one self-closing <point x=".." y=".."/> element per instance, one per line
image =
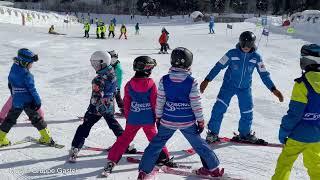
<point x="247" y="44"/>
<point x="139" y="66"/>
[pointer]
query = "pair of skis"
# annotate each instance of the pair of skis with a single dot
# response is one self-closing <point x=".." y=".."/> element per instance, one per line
<point x="182" y="170"/>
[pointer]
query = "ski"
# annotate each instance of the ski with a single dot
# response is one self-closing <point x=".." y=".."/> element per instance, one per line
<point x="136" y="160"/>
<point x="25" y="140"/>
<point x="230" y="140"/>
<point x="89" y="148"/>
<point x="35" y="140"/>
<point x="192" y="173"/>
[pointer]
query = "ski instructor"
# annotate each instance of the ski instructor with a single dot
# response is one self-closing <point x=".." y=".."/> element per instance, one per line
<point x="241" y="63"/>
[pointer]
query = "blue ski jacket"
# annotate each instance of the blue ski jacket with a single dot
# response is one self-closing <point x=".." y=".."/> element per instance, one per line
<point x="240" y="68"/>
<point x="23" y="88"/>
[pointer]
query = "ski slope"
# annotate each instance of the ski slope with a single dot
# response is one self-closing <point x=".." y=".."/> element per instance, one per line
<point x="63" y="78"/>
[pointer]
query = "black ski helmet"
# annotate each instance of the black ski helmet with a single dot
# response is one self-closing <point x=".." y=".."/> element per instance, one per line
<point x="144" y="64"/>
<point x="247" y="39"/>
<point x="310" y="57"/>
<point x="181" y="58"/>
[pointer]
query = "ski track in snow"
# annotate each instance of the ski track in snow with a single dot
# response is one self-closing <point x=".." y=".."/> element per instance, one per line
<point x="63" y="78"/>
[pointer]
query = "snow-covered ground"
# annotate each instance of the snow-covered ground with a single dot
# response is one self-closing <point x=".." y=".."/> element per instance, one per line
<point x="63" y="78"/>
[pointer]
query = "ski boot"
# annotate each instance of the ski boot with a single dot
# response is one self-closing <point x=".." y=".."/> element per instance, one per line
<point x="46" y="137"/>
<point x="107" y="170"/>
<point x="131" y="149"/>
<point x="4" y="141"/>
<point x="249" y="138"/>
<point x="167" y="162"/>
<point x="73" y="154"/>
<point x="206" y="172"/>
<point x="160" y="52"/>
<point x="212" y="138"/>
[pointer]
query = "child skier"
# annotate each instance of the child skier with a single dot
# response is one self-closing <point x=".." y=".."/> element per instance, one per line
<point x="300" y="128"/>
<point x="211" y="25"/>
<point x="101" y="103"/>
<point x="167" y="33"/>
<point x="119" y="73"/>
<point x="103" y="30"/>
<point x="98" y="31"/>
<point x="25" y="98"/>
<point x="179" y="111"/>
<point x="111" y="29"/>
<point x="123" y="31"/>
<point x="241" y="62"/>
<point x="163" y="43"/>
<point x="86" y="30"/>
<point x="137" y="28"/>
<point x="140" y="101"/>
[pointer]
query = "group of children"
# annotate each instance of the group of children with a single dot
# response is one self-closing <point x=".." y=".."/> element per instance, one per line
<point x="160" y="111"/>
<point x="102" y="29"/>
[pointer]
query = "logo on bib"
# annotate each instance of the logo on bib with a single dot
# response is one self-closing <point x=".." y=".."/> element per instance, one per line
<point x="137" y="107"/>
<point x="171" y="106"/>
<point x="312" y="116"/>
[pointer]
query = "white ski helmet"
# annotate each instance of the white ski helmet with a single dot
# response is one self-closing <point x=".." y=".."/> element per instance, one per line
<point x="99" y="60"/>
<point x="114" y="56"/>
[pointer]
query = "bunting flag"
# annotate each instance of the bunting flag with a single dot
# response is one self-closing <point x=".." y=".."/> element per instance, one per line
<point x="291" y="30"/>
<point x="229" y="26"/>
<point x="265" y="32"/>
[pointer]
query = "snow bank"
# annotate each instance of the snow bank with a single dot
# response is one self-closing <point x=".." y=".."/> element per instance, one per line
<point x="33" y="18"/>
<point x="306" y="25"/>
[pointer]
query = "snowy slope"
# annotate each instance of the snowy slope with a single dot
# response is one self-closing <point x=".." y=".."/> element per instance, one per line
<point x="63" y="76"/>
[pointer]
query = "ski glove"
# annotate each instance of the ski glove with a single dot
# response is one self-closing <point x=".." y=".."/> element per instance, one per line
<point x="200" y="126"/>
<point x="283" y="135"/>
<point x="203" y="85"/>
<point x="277" y="93"/>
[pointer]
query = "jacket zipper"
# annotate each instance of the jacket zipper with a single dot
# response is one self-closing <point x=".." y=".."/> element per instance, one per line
<point x="244" y="60"/>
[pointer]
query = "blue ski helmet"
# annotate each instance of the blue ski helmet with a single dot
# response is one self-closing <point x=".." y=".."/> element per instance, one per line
<point x="25" y="56"/>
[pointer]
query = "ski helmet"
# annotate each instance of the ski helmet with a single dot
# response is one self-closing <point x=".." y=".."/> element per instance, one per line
<point x="310" y="57"/>
<point x="181" y="58"/>
<point x="114" y="56"/>
<point x="100" y="60"/>
<point x="144" y="64"/>
<point x="247" y="39"/>
<point x="25" y="56"/>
